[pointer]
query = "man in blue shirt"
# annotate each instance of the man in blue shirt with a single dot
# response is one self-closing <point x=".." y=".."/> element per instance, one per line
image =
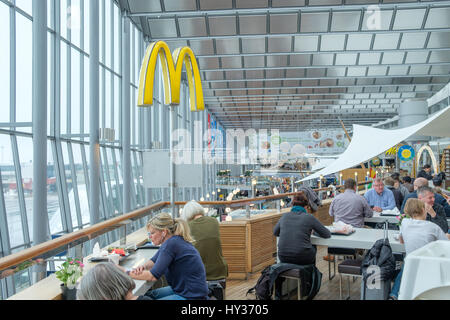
<point x="380" y="198"/>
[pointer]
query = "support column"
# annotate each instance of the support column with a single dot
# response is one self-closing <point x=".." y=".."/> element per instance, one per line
<point x="40" y="216"/>
<point x="172" y="189"/>
<point x="94" y="142"/>
<point x="126" y="110"/>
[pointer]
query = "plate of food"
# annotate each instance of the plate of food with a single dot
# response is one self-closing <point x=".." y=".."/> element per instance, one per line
<point x="122" y="252"/>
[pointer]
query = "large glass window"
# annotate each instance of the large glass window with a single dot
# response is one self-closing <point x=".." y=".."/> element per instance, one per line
<point x="24" y="70"/>
<point x="4" y="62"/>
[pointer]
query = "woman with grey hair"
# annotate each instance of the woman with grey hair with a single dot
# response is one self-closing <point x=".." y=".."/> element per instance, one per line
<point x="107" y="282"/>
<point x="177" y="259"/>
<point x="206" y="233"/>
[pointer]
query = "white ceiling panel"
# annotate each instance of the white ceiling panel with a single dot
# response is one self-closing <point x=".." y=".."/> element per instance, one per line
<point x="278" y="73"/>
<point x="234" y="75"/>
<point x="222" y="25"/>
<point x="409" y="19"/>
<point x="254" y="24"/>
<point x="253" y="45"/>
<point x="386" y="41"/>
<point x="144" y="6"/>
<point x="438" y="18"/>
<point x="345" y="21"/>
<point x="254" y="62"/>
<point x="359" y="41"/>
<point x="440" y="56"/>
<point x="323" y="59"/>
<point x="413" y="40"/>
<point x="280" y="44"/>
<point x="337" y="72"/>
<point x="369" y="58"/>
<point x="287" y="3"/>
<point x="295" y="73"/>
<point x="314" y="22"/>
<point x="214" y="75"/>
<point x="300" y="60"/>
<point x="254" y="74"/>
<point x="373" y="21"/>
<point x="208" y="63"/>
<point x="231" y="62"/>
<point x="440" y="70"/>
<point x="416" y="57"/>
<point x="162" y="28"/>
<point x="315" y="73"/>
<point x="305" y="43"/>
<point x="346" y="58"/>
<point x="439" y="40"/>
<point x="377" y="71"/>
<point x="215" y="4"/>
<point x="227" y="46"/>
<point x="246" y="4"/>
<point x="192" y="26"/>
<point x="176" y="5"/>
<point x="332" y="42"/>
<point x="277" y="61"/>
<point x="283" y="23"/>
<point x="202" y="47"/>
<point x="398" y="70"/>
<point x="415" y="70"/>
<point x="356" y="71"/>
<point x="393" y="57"/>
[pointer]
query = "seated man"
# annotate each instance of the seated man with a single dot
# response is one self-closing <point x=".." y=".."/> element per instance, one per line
<point x="435" y="212"/>
<point x="398" y="186"/>
<point x="425" y="172"/>
<point x="379" y="197"/>
<point x="350" y="207"/>
<point x="398" y="196"/>
<point x="422" y="182"/>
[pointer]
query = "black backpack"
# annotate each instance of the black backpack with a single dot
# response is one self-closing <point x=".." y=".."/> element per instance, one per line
<point x="264" y="285"/>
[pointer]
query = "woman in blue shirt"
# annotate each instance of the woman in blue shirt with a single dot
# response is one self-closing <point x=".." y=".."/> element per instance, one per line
<point x="176" y="258"/>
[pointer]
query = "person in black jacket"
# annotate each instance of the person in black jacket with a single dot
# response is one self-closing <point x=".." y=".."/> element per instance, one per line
<point x="425" y="172"/>
<point x="435" y="212"/>
<point x="398" y="196"/>
<point x="294" y="231"/>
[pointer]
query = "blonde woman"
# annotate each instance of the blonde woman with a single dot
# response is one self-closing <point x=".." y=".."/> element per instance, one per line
<point x="416" y="233"/>
<point x="206" y="233"/>
<point x="176" y="258"/>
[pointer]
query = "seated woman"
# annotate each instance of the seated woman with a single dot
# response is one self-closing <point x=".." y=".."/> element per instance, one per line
<point x="105" y="281"/>
<point x="294" y="229"/>
<point x="415" y="233"/>
<point x="176" y="258"/>
<point x="205" y="231"/>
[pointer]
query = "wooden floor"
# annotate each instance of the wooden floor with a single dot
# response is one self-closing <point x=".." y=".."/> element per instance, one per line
<point x="329" y="290"/>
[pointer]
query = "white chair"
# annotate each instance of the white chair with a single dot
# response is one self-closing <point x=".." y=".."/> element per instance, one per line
<point x="438" y="293"/>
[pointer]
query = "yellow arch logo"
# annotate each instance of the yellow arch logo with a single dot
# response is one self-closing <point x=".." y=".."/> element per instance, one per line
<point x="171" y="75"/>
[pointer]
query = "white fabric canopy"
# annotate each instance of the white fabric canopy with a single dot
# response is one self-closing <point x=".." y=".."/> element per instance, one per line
<point x="369" y="142"/>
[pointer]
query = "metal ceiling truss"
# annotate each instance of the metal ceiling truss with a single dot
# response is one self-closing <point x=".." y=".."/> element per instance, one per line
<point x="282" y="59"/>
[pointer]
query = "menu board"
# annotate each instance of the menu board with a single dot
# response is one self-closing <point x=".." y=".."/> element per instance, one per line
<point x="319" y="142"/>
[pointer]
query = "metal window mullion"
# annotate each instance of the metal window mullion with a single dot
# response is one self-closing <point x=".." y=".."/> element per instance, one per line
<point x="75" y="185"/>
<point x="116" y="176"/>
<point x="138" y="174"/>
<point x="85" y="170"/>
<point x="68" y="227"/>
<point x="20" y="192"/>
<point x="4" y="232"/>
<point x="104" y="205"/>
<point x="108" y="181"/>
<point x="12" y="57"/>
<point x="59" y="187"/>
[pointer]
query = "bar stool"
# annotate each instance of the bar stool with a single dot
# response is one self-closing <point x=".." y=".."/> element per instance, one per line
<point x="333" y="251"/>
<point x="293" y="274"/>
<point x="351" y="268"/>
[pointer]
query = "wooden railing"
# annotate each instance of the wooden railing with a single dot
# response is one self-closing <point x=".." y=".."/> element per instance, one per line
<point x="58" y="245"/>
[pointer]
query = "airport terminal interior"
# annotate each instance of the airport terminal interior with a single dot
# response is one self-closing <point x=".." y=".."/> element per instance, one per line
<point x="117" y="111"/>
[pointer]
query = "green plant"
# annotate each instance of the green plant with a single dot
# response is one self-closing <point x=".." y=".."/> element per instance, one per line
<point x="70" y="271"/>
